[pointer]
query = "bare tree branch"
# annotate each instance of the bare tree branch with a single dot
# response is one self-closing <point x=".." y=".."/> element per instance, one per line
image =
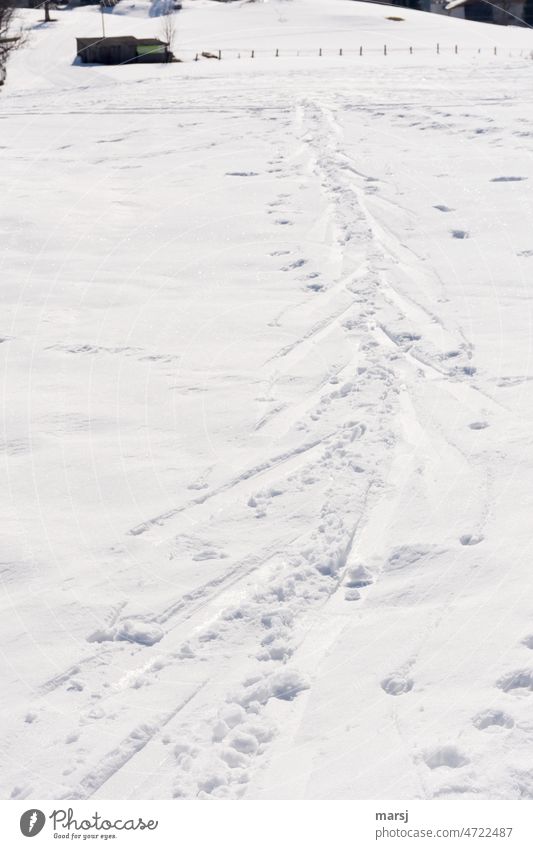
<point x="11" y="37"/>
<point x="168" y="29"/>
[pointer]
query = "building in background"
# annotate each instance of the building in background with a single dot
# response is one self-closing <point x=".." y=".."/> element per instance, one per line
<point x="122" y="50"/>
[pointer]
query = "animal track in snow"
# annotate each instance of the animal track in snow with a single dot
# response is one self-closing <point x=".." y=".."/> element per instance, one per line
<point x="131" y="631"/>
<point x="298" y="263"/>
<point x="189" y="546"/>
<point x="520" y="680"/>
<point x="199" y="484"/>
<point x="358" y="576"/>
<point x="209" y="554"/>
<point x="275" y="646"/>
<point x="492" y="719"/>
<point x="460" y="234"/>
<point x="478" y="425"/>
<point x="404" y="556"/>
<point x="508" y="179"/>
<point x="443" y="208"/>
<point x="284" y="685"/>
<point x="259" y="502"/>
<point x="242" y="173"/>
<point x="352" y="595"/>
<point x="448" y="756"/>
<point x="283" y="221"/>
<point x="396" y="685"/>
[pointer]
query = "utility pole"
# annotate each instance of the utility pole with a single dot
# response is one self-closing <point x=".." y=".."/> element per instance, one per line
<point x="103" y="24"/>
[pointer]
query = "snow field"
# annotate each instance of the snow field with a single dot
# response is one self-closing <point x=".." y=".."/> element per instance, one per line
<point x="267" y="401"/>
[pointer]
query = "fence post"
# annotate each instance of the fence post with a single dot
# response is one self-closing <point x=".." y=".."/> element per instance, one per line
<point x="438" y="48"/>
<point x="495" y="51"/>
<point x="253" y="54"/>
<point x="411" y="51"/>
<point x="196" y="58"/>
<point x="320" y="51"/>
<point x="220" y="54"/>
<point x="340" y="52"/>
<point x="384" y="49"/>
<point x="277" y="52"/>
<point x="456" y="51"/>
<point x="360" y="51"/>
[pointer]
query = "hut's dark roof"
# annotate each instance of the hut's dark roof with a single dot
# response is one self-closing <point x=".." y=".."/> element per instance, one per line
<point x="118" y="39"/>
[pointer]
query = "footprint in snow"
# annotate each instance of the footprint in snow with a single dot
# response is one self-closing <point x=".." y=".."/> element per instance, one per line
<point x="491" y="720"/>
<point x="196" y="485"/>
<point x="442" y="207"/>
<point x="298" y="263"/>
<point x="520" y="680"/>
<point x="242" y="173"/>
<point x="469" y="371"/>
<point x="131" y="631"/>
<point x="448" y="756"/>
<point x="471" y="539"/>
<point x="508" y="179"/>
<point x="397" y="685"/>
<point x="209" y="554"/>
<point x="283" y="221"/>
<point x="260" y="501"/>
<point x="478" y="425"/>
<point x="460" y="234"/>
<point x="358" y="576"/>
<point x="406" y="556"/>
<point x="352" y="595"/>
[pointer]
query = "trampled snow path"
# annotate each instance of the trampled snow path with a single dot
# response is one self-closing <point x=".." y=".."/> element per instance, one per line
<point x="267" y="518"/>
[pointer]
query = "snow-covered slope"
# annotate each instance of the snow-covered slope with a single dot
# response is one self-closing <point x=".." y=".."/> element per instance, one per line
<point x="267" y="407"/>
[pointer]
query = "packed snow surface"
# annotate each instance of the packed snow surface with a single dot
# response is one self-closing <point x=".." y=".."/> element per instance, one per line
<point x="266" y="335"/>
